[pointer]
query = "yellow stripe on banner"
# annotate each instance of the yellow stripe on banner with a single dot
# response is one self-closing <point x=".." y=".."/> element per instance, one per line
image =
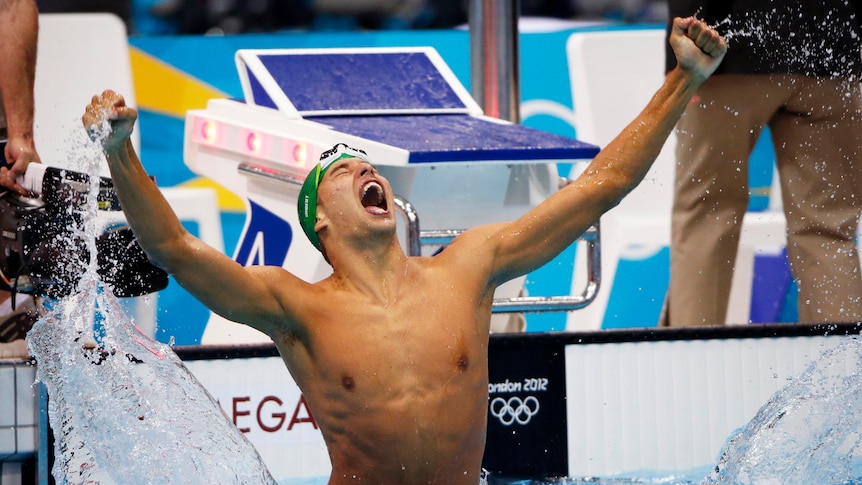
<point x="165" y="89"/>
<point x="227" y="200"/>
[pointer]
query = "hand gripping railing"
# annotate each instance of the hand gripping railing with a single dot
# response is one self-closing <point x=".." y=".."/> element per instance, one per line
<point x="417" y="238"/>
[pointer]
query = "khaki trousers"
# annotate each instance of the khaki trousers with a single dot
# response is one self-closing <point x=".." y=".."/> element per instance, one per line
<point x="815" y="126"/>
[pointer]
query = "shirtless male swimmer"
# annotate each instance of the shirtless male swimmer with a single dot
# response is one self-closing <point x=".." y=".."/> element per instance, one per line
<point x="391" y="351"/>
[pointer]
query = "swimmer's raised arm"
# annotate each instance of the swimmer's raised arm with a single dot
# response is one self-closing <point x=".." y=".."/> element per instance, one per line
<point x="250" y="295"/>
<point x="549" y="228"/>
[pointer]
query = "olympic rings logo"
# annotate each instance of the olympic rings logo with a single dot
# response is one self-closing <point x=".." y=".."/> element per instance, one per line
<point x="514" y="409"/>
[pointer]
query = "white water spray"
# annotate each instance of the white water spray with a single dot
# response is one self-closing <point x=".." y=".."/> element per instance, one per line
<point x="123" y="407"/>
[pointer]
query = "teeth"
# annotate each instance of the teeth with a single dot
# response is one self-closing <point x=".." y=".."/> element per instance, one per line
<point x="372" y="195"/>
<point x="370" y="185"/>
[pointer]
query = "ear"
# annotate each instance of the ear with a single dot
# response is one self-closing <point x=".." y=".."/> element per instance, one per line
<point x="321" y="220"/>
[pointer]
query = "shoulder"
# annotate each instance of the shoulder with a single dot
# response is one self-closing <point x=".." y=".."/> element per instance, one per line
<point x="483" y="235"/>
<point x="288" y="300"/>
<point x="475" y="248"/>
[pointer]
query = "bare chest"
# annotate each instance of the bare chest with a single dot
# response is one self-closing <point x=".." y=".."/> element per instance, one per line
<point x="411" y="340"/>
<point x="406" y="378"/>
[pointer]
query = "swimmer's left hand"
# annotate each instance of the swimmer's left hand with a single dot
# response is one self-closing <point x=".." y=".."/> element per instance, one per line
<point x="109" y="120"/>
<point x="698" y="47"/>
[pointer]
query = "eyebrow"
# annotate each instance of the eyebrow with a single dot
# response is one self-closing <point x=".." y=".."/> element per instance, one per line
<point x="343" y="162"/>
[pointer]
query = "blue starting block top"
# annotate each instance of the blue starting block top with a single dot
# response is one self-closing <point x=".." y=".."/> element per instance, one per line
<point x="460" y="138"/>
<point x="358" y="83"/>
<point x="407" y="98"/>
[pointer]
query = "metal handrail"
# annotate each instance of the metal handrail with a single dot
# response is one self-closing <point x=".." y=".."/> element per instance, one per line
<point x="417" y="238"/>
<point x="263" y="171"/>
<point x="520" y="304"/>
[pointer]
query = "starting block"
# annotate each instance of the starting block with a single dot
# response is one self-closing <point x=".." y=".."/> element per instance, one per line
<point x="451" y="165"/>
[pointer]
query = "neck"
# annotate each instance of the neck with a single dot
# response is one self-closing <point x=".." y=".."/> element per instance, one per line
<point x="371" y="270"/>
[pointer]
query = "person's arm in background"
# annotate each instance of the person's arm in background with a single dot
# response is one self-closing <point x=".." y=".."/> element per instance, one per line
<point x="19" y="30"/>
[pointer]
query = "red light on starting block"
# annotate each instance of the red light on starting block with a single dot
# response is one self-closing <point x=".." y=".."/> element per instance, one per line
<point x="207" y="131"/>
<point x="300" y="153"/>
<point x="251" y="142"/>
<point x="254" y="142"/>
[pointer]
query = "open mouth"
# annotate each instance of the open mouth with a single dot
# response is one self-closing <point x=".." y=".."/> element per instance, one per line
<point x="373" y="198"/>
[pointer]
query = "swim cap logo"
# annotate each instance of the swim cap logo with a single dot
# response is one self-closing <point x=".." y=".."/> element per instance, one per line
<point x="340" y="151"/>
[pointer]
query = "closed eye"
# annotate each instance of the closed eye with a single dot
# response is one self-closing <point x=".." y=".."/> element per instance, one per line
<point x="339" y="170"/>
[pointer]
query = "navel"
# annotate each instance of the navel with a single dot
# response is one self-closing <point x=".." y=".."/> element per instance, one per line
<point x="348" y="383"/>
<point x="463" y="362"/>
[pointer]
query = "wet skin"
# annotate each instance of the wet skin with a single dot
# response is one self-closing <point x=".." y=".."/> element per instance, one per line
<point x="390" y="351"/>
<point x="399" y="389"/>
<point x="395" y="372"/>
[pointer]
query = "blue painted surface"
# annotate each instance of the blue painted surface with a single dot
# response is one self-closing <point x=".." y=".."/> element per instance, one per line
<point x="258" y="93"/>
<point x="162" y="148"/>
<point x="460" y="138"/>
<point x="772" y="284"/>
<point x="180" y="316"/>
<point x="369" y="81"/>
<point x="638" y="300"/>
<point x="265" y="230"/>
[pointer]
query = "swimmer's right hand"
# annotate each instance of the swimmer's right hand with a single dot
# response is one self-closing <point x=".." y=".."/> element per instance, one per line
<point x="108" y="120"/>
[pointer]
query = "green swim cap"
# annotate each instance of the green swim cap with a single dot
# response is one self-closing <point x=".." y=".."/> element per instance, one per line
<point x="307" y="203"/>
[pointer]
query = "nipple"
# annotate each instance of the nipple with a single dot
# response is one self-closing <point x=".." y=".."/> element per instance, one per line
<point x="348" y="383"/>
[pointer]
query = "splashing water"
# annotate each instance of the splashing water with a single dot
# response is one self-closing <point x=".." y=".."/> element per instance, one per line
<point x="732" y="30"/>
<point x="124" y="409"/>
<point x="128" y="409"/>
<point x="808" y="432"/>
<point x="783" y="43"/>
